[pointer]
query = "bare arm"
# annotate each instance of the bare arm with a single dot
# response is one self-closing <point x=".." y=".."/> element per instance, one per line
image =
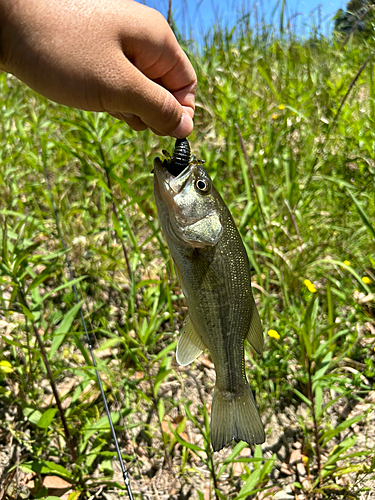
<point x="116" y="56"/>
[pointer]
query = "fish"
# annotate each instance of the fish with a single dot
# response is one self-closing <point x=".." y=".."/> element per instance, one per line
<point x="213" y="269"/>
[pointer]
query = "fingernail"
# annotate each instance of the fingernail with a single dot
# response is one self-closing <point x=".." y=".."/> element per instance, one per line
<point x="184" y="128"/>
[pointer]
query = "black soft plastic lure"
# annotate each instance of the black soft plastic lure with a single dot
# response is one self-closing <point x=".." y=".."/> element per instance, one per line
<point x="181" y="158"/>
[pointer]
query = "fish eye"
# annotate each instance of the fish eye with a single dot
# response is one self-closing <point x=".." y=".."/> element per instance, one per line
<point x="202" y="185"/>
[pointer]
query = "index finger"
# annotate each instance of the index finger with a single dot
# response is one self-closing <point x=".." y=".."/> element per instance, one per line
<point x="156" y="53"/>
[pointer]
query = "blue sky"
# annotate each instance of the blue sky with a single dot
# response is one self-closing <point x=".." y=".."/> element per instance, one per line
<point x="201" y="14"/>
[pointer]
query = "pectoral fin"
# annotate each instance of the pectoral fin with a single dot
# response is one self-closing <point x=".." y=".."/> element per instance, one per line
<point x="190" y="345"/>
<point x="208" y="278"/>
<point x="255" y="335"/>
<point x="180" y="278"/>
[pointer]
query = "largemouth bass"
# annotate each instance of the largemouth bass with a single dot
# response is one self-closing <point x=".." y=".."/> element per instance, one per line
<point x="214" y="273"/>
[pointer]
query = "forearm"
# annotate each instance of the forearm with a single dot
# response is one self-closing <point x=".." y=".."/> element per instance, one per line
<point x="6" y="9"/>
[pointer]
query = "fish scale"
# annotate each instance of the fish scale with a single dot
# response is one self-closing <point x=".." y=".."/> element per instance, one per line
<point x="237" y="326"/>
<point x="214" y="272"/>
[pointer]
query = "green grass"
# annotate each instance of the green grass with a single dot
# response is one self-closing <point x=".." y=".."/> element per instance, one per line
<point x="314" y="168"/>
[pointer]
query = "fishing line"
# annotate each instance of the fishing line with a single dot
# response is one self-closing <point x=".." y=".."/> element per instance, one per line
<point x="113" y="432"/>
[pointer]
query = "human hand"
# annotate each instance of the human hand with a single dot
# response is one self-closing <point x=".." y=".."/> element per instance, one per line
<point x="117" y="56"/>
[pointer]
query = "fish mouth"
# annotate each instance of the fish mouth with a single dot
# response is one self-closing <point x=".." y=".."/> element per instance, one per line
<point x="165" y="178"/>
<point x="180" y="160"/>
<point x="173" y="169"/>
<point x="167" y="188"/>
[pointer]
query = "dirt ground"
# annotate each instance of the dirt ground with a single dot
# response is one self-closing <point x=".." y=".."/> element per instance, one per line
<point x="158" y="476"/>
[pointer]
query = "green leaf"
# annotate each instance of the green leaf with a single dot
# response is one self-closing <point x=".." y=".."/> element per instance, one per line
<point x="80" y="388"/>
<point x="303" y="397"/>
<point x="143" y="283"/>
<point x="344" y="471"/>
<point x="5" y="269"/>
<point x="324" y="365"/>
<point x="63" y="286"/>
<point x="258" y="455"/>
<point x="63" y="329"/>
<point x="362" y="214"/>
<point x="4" y="261"/>
<point x="101" y="425"/>
<point x="324" y="346"/>
<point x="106" y="466"/>
<point x="301" y="115"/>
<point x="166" y="350"/>
<point x="46" y="418"/>
<point x="330" y="403"/>
<point x="109" y="343"/>
<point x="249" y="485"/>
<point x="268" y="466"/>
<point x="218" y="494"/>
<point x="337" y="452"/>
<point x="23" y="255"/>
<point x="162" y="374"/>
<point x="32" y="415"/>
<point x="13" y="296"/>
<point x="94" y="453"/>
<point x="26" y="311"/>
<point x="188" y="445"/>
<point x="263" y="72"/>
<point x="116" y="225"/>
<point x="161" y="409"/>
<point x="82" y="349"/>
<point x="328" y="435"/>
<point x="41" y="277"/>
<point x="12" y="342"/>
<point x="231" y="459"/>
<point x="45" y="467"/>
<point x="331" y="464"/>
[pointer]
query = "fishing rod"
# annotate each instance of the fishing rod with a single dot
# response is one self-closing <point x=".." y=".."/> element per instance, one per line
<point x="113" y="432"/>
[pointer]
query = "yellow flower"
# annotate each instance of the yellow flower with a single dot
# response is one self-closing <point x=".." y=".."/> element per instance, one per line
<point x="366" y="280"/>
<point x="275" y="116"/>
<point x="5" y="367"/>
<point x="281" y="106"/>
<point x="273" y="334"/>
<point x="346" y="262"/>
<point x="310" y="286"/>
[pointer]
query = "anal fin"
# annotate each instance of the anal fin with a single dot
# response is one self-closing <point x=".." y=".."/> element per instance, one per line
<point x="255" y="335"/>
<point x="190" y="345"/>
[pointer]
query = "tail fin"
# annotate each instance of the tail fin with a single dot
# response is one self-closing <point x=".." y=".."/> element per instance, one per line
<point x="235" y="418"/>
